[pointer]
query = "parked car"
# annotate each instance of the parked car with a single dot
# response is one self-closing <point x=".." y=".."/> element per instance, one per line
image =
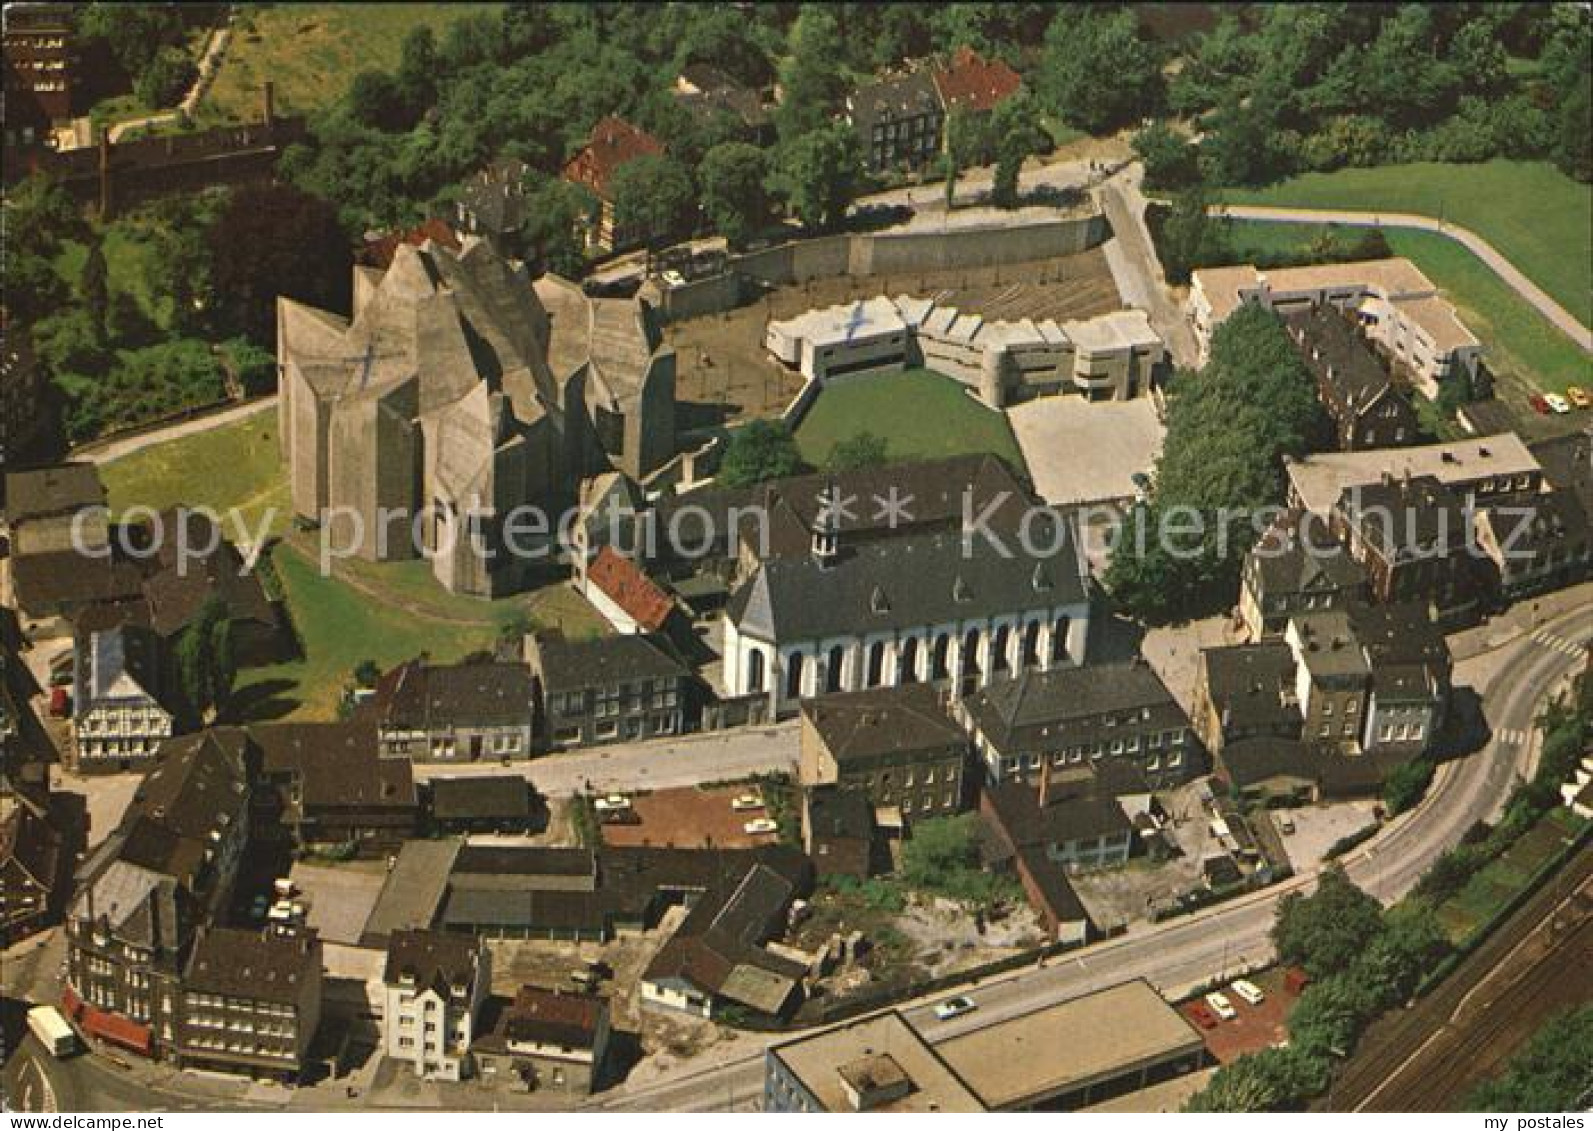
<point x="1579" y="396"/>
<point x="1248" y="991"/>
<point x="1558" y="403"/>
<point x="612" y="803"/>
<point x="1203" y="1017"/>
<point x="1539" y="405"/>
<point x="1221" y="1006"/>
<point x="760" y="825"/>
<point x="60" y="703"/>
<point x="954" y="1007"/>
<point x="746" y="801"/>
<point x="1285" y="824"/>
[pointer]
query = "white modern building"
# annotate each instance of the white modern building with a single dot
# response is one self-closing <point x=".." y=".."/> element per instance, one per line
<point x="1110" y="357"/>
<point x="1396" y="305"/>
<point x="434" y="985"/>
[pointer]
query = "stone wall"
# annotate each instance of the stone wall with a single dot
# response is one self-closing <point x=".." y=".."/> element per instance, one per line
<point x="882" y="253"/>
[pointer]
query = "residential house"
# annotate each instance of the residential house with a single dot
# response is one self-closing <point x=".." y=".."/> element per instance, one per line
<point x="1413" y="538"/>
<point x="1246" y="691"/>
<point x="1072" y="814"/>
<point x="971" y="84"/>
<point x="1411" y="670"/>
<point x="627" y="598"/>
<point x="470" y="711"/>
<point x="250" y="1002"/>
<point x="58" y="509"/>
<point x="708" y="94"/>
<point x="1298" y="566"/>
<point x="146" y="889"/>
<point x="550" y="1041"/>
<point x="1332" y="678"/>
<point x="123" y="708"/>
<point x="35" y="867"/>
<point x="330" y="787"/>
<point x="192" y="565"/>
<point x="606" y="689"/>
<point x="717" y="958"/>
<point x="1069" y="716"/>
<point x="434" y="987"/>
<point x="497" y="803"/>
<point x="948" y="609"/>
<point x="613" y="143"/>
<point x="1367" y="411"/>
<point x="42" y="72"/>
<point x="898" y="121"/>
<point x="838" y="831"/>
<point x="1535" y="542"/>
<point x="897" y="746"/>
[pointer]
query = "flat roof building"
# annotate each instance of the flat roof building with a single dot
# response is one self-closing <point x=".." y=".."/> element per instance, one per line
<point x="879" y="1064"/>
<point x="1076" y="1053"/>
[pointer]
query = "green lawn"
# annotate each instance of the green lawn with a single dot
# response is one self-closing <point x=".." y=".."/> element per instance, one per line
<point x="1517" y="339"/>
<point x="342" y="621"/>
<point x="1490" y="889"/>
<point x="920" y="413"/>
<point x="1536" y="216"/>
<point x="313" y="51"/>
<point x="234" y="467"/>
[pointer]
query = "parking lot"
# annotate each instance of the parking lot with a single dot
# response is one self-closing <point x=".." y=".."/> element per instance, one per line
<point x="689" y="818"/>
<point x="1254" y="1027"/>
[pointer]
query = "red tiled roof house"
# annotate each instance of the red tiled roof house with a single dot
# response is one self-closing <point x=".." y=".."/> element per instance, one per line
<point x="612" y="144"/>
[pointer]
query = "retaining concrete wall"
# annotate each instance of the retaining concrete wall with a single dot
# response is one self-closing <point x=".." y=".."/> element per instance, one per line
<point x="883" y="253"/>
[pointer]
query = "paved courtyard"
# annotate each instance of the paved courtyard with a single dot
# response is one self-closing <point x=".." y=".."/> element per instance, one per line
<point x="1319" y="827"/>
<point x="1080" y="451"/>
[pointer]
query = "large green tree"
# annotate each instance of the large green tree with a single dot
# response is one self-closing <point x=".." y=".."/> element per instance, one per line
<point x="758" y="451"/>
<point x="812" y="82"/>
<point x="732" y="176"/>
<point x="1098" y="72"/>
<point x="206" y="661"/>
<point x="654" y="198"/>
<point x="819" y="174"/>
<point x="1326" y="931"/>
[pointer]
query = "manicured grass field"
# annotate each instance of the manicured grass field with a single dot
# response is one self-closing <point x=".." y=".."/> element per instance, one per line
<point x="236" y="465"/>
<point x="1516" y="338"/>
<point x="387" y="613"/>
<point x="1536" y="216"/>
<point x="920" y="413"/>
<point x="313" y="51"/>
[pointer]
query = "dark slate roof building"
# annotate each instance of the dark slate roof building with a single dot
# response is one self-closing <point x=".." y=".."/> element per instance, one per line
<point x="898" y="121"/>
<point x="1299" y="565"/>
<point x="333" y="787"/>
<point x="1367" y="410"/>
<point x="446" y="963"/>
<point x="838" y="831"/>
<point x="1104" y="712"/>
<point x="494" y="803"/>
<point x="1246" y="690"/>
<point x="50" y="492"/>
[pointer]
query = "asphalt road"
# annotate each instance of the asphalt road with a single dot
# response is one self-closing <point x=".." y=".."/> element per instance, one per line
<point x="1176" y="956"/>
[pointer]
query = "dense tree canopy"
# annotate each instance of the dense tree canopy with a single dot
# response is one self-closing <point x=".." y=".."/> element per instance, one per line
<point x="1328" y="930"/>
<point x="732" y="177"/>
<point x="1098" y="71"/>
<point x="1228" y="429"/>
<point x="758" y="451"/>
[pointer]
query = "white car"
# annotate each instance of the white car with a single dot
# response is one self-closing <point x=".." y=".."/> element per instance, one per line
<point x="1557" y="402"/>
<point x="954" y="1007"/>
<point x="747" y="801"/>
<point x="613" y="803"/>
<point x="1248" y="991"/>
<point x="761" y="825"/>
<point x="1221" y="1006"/>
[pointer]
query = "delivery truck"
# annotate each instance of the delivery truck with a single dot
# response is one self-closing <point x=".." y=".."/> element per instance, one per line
<point x="52" y="1030"/>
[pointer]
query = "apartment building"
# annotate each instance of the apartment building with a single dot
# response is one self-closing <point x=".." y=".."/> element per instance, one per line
<point x="434" y="984"/>
<point x="896" y="745"/>
<point x="465" y="712"/>
<point x="250" y="1002"/>
<point x="1297" y="566"/>
<point x="607" y="689"/>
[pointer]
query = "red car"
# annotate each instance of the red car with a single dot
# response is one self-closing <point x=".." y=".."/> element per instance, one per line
<point x="1202" y="1016"/>
<point x="60" y="703"/>
<point x="1539" y="405"/>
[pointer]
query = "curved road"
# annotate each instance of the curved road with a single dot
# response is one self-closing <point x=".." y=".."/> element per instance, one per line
<point x="1178" y="955"/>
<point x="1478" y="246"/>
